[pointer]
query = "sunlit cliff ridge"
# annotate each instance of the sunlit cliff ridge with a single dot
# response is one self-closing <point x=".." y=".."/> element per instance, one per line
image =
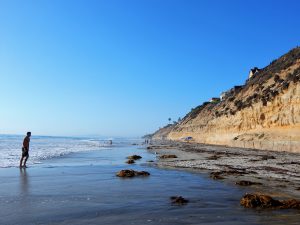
<point x="263" y="114"/>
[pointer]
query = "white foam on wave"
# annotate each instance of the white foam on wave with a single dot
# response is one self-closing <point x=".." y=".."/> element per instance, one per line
<point x="42" y="148"/>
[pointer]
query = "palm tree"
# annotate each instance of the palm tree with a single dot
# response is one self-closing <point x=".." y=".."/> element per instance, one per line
<point x="169" y="120"/>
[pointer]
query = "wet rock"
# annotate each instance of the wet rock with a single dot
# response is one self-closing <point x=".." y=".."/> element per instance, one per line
<point x="230" y="172"/>
<point x="266" y="157"/>
<point x="160" y="147"/>
<point x="130" y="161"/>
<point x="247" y="183"/>
<point x="216" y="176"/>
<point x="132" y="173"/>
<point x="213" y="157"/>
<point x="288" y="163"/>
<point x="150" y="161"/>
<point x="259" y="201"/>
<point x="290" y="204"/>
<point x="298" y="188"/>
<point x="168" y="156"/>
<point x="265" y="201"/>
<point x="273" y="169"/>
<point x="254" y="160"/>
<point x="142" y="173"/>
<point x="126" y="173"/>
<point x="134" y="157"/>
<point x="179" y="200"/>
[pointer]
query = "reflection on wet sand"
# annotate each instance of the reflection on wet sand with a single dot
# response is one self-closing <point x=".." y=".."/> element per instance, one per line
<point x="23" y="182"/>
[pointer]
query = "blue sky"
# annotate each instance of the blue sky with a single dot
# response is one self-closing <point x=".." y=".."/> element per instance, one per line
<point x="122" y="68"/>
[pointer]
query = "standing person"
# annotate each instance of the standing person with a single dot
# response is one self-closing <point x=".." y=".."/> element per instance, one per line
<point x="25" y="149"/>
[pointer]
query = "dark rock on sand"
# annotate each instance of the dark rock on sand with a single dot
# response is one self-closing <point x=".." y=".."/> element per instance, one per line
<point x="235" y="172"/>
<point x="288" y="163"/>
<point x="247" y="183"/>
<point x="216" y="175"/>
<point x="179" y="200"/>
<point x="266" y="157"/>
<point x="273" y="169"/>
<point x="132" y="173"/>
<point x="130" y="161"/>
<point x="281" y="186"/>
<point x="213" y="157"/>
<point x="134" y="157"/>
<point x="265" y="201"/>
<point x="168" y="156"/>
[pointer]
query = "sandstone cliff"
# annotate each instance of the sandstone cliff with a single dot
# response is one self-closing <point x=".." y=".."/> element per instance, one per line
<point x="264" y="113"/>
<point x="162" y="133"/>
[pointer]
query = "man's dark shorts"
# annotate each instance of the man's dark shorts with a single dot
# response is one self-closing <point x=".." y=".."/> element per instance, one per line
<point x="25" y="152"/>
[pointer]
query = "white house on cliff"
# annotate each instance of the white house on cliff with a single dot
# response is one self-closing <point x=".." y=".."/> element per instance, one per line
<point x="253" y="71"/>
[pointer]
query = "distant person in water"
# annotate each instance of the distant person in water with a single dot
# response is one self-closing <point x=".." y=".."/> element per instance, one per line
<point x="25" y="149"/>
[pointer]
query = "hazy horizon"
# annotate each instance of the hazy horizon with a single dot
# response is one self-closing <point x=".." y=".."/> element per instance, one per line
<point x="122" y="68"/>
<point x="92" y="136"/>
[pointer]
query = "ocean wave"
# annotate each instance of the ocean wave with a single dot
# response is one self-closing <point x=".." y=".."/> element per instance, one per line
<point x="42" y="148"/>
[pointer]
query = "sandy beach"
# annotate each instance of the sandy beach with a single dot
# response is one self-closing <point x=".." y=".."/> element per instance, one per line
<point x="273" y="173"/>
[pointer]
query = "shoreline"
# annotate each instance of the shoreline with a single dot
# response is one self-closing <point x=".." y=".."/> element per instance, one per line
<point x="271" y="172"/>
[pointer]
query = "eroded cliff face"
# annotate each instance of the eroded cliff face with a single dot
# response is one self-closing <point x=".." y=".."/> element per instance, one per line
<point x="262" y="114"/>
<point x="162" y="133"/>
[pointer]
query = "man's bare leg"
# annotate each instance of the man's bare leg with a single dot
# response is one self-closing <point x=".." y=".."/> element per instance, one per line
<point x="21" y="160"/>
<point x="26" y="160"/>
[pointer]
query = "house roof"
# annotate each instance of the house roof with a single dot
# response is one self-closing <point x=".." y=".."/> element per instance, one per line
<point x="254" y="70"/>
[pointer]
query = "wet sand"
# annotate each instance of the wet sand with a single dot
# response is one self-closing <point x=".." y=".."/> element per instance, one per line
<point x="82" y="188"/>
<point x="277" y="172"/>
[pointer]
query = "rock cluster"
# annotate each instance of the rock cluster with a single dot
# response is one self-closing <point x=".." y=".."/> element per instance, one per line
<point x="132" y="173"/>
<point x="216" y="175"/>
<point x="130" y="161"/>
<point x="247" y="183"/>
<point x="179" y="200"/>
<point x="266" y="157"/>
<point x="213" y="157"/>
<point x="134" y="157"/>
<point x="233" y="171"/>
<point x="265" y="201"/>
<point x="168" y="156"/>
